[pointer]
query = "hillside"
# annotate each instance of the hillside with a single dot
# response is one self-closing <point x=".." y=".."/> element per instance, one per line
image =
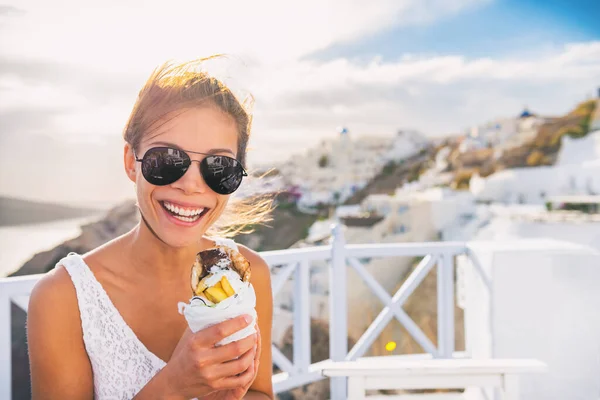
<point x="287" y="227"/>
<point x="19" y="212"/>
<point x="393" y="176"/>
<point x="542" y="150"/>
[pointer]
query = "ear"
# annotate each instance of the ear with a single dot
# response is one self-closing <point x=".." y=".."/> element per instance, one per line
<point x="129" y="162"/>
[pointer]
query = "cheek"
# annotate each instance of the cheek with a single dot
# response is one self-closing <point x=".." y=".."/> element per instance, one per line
<point x="143" y="191"/>
<point x="222" y="202"/>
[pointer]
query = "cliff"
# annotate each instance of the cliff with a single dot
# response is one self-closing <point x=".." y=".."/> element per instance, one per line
<point x="117" y="221"/>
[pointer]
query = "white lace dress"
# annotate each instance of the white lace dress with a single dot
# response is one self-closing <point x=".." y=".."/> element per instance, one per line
<point x="121" y="364"/>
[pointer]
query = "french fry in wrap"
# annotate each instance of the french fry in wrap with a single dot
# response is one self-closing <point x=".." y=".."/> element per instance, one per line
<point x="221" y="290"/>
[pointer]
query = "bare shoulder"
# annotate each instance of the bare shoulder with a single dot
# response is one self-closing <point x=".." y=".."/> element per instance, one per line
<point x="261" y="272"/>
<point x="55" y="337"/>
<point x="54" y="291"/>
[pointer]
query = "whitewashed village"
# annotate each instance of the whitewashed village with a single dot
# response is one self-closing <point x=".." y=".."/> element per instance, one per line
<point x="540" y="209"/>
<point x="480" y="249"/>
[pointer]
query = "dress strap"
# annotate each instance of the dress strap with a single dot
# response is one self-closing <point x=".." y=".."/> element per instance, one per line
<point x="88" y="290"/>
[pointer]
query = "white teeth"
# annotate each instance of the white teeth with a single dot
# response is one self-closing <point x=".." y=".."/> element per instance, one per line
<point x="184" y="214"/>
<point x="186" y="219"/>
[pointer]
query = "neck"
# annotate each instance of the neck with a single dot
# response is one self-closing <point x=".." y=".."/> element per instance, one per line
<point x="156" y="260"/>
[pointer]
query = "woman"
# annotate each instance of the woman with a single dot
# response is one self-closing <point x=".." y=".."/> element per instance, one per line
<point x="105" y="325"/>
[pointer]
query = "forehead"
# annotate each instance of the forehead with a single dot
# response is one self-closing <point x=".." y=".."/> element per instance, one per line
<point x="195" y="129"/>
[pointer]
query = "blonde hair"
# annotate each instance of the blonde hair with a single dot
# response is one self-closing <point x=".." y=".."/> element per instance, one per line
<point x="174" y="87"/>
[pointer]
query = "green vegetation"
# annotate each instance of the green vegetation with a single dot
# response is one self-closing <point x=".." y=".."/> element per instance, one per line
<point x="389" y="168"/>
<point x="584" y="208"/>
<point x="323" y="161"/>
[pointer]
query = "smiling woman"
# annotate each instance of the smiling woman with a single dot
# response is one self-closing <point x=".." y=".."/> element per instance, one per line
<point x="171" y="91"/>
<point x="185" y="150"/>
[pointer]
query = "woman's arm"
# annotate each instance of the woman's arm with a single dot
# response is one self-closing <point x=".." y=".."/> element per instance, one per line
<point x="262" y="388"/>
<point x="60" y="367"/>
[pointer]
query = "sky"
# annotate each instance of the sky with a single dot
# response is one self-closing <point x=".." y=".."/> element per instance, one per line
<point x="69" y="74"/>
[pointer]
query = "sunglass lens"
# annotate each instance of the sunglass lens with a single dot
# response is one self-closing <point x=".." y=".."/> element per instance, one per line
<point x="163" y="166"/>
<point x="222" y="174"/>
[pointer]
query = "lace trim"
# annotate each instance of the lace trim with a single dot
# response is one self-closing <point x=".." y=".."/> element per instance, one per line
<point x="122" y="365"/>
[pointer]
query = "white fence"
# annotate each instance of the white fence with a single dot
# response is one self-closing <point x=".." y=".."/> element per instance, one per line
<point x="297" y="262"/>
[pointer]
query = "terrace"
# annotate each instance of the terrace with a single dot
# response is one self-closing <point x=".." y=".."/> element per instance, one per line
<point x="525" y="305"/>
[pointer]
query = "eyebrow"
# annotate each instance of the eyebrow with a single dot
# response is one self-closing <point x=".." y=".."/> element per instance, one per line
<point x="211" y="151"/>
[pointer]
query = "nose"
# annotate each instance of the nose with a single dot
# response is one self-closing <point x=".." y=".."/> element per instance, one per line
<point x="192" y="181"/>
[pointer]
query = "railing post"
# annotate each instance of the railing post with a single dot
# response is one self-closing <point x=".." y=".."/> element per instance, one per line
<point x="5" y="347"/>
<point x="338" y="324"/>
<point x="445" y="306"/>
<point x="302" y="343"/>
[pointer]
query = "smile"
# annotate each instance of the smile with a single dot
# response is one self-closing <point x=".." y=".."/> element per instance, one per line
<point x="184" y="214"/>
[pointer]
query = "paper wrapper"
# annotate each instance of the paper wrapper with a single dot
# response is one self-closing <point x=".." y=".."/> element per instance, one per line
<point x="200" y="316"/>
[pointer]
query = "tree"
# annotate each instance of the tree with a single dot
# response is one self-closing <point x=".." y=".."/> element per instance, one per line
<point x="324" y="161"/>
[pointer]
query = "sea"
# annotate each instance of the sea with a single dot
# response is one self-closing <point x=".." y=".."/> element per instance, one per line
<point x="19" y="243"/>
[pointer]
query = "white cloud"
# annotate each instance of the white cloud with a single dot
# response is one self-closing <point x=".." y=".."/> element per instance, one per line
<point x="141" y="34"/>
<point x="79" y="77"/>
<point x="438" y="94"/>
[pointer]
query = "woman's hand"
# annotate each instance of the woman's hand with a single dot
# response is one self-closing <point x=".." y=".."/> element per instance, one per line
<point x="240" y="392"/>
<point x="197" y="368"/>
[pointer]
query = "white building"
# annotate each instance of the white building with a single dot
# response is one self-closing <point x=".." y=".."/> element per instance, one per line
<point x="441" y="159"/>
<point x="539" y="300"/>
<point x="338" y="168"/>
<point x="503" y="134"/>
<point x="406" y="144"/>
<point x="542" y="271"/>
<point x="595" y="122"/>
<point x="513" y="223"/>
<point x="577" y="172"/>
<point x="414" y="215"/>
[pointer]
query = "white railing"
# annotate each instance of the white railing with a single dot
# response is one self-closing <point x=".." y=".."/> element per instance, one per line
<point x="297" y="262"/>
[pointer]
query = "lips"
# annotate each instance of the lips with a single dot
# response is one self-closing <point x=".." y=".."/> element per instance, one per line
<point x="183" y="213"/>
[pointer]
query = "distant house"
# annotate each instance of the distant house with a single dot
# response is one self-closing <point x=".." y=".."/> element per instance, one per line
<point x="504" y="134"/>
<point x="338" y="168"/>
<point x="595" y="122"/>
<point x="576" y="172"/>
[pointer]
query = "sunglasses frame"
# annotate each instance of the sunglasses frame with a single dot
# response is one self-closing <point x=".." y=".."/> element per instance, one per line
<point x="141" y="160"/>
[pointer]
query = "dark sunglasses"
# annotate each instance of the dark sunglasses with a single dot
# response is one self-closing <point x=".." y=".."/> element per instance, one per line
<point x="164" y="165"/>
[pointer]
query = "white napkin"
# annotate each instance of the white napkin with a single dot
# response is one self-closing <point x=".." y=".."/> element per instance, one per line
<point x="200" y="316"/>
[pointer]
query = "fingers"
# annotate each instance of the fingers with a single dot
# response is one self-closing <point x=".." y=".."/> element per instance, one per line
<point x="234" y="373"/>
<point x="233" y="350"/>
<point x="244" y="379"/>
<point x="214" y="334"/>
<point x="236" y="367"/>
